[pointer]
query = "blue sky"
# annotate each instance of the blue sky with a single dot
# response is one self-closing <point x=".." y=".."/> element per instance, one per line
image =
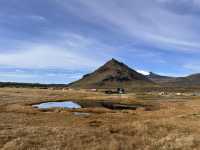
<point x="57" y="41"/>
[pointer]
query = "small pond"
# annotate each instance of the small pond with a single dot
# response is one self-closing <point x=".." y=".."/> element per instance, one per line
<point x="65" y="104"/>
<point x="91" y="104"/>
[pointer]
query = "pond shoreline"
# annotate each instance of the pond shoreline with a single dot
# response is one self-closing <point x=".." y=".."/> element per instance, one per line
<point x="95" y="104"/>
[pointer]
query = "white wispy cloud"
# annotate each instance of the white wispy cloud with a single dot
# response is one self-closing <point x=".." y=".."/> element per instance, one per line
<point x="72" y="52"/>
<point x="43" y="56"/>
<point x="144" y="20"/>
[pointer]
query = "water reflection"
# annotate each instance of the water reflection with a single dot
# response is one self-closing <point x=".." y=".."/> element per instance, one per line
<point x="66" y="104"/>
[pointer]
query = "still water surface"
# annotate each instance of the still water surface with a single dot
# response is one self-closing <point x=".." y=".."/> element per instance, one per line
<point x="65" y="104"/>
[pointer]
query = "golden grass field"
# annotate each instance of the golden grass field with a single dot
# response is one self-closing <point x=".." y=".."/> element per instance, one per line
<point x="173" y="124"/>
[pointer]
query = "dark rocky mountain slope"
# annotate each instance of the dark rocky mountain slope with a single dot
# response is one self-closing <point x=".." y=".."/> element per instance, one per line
<point x="113" y="74"/>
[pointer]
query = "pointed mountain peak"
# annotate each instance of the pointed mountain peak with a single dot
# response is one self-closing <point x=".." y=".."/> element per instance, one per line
<point x="113" y="61"/>
<point x="113" y="74"/>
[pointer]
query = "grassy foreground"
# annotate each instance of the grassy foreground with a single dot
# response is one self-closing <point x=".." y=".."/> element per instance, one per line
<point x="174" y="124"/>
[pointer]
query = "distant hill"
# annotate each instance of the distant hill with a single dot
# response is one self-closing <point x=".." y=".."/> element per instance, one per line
<point x="159" y="78"/>
<point x="113" y="74"/>
<point x="195" y="78"/>
<point x="188" y="81"/>
<point x="30" y="85"/>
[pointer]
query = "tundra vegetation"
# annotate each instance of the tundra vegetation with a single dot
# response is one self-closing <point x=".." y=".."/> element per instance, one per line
<point x="169" y="120"/>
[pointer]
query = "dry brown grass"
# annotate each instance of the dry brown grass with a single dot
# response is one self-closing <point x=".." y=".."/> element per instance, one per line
<point x="176" y="125"/>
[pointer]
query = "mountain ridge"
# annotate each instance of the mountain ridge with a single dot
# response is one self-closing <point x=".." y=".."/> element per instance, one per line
<point x="190" y="80"/>
<point x="115" y="74"/>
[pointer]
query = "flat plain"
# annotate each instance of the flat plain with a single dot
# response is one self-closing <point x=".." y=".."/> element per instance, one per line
<point x="170" y="122"/>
